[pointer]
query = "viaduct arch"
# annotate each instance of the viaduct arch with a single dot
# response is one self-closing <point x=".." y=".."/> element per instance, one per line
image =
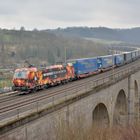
<point x="120" y="109"/>
<point x="100" y="115"/>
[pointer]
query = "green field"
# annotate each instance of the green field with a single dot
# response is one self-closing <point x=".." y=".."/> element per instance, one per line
<point x="5" y="83"/>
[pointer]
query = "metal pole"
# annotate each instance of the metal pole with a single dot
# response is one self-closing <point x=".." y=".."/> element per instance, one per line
<point x="113" y="64"/>
<point x="65" y="55"/>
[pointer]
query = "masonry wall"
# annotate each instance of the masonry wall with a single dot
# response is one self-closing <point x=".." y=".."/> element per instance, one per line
<point x="44" y="128"/>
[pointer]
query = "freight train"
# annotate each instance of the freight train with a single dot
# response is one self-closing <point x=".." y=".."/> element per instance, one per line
<point x="32" y="79"/>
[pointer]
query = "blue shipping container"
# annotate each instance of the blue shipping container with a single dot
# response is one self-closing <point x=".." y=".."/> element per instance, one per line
<point x="105" y="61"/>
<point x="119" y="59"/>
<point x="85" y="65"/>
<point x="127" y="57"/>
<point x="133" y="54"/>
<point x="137" y="53"/>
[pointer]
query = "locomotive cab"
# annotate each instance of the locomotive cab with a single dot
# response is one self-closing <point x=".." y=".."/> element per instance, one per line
<point x="25" y="79"/>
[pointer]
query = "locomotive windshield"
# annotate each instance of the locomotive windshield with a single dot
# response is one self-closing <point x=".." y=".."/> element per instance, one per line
<point x="20" y="74"/>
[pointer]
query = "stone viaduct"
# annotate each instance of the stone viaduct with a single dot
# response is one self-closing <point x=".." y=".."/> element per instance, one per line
<point x="117" y="103"/>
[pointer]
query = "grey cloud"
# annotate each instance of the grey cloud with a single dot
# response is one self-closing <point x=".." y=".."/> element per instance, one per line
<point x="69" y="12"/>
<point x="12" y="7"/>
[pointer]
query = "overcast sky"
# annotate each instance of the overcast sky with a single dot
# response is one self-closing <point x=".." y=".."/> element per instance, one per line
<point x="45" y="14"/>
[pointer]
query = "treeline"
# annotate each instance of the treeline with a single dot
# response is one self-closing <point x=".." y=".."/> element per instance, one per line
<point x="42" y="47"/>
<point x="130" y="35"/>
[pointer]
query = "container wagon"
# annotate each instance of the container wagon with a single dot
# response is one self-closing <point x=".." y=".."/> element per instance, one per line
<point x="84" y="67"/>
<point x="106" y="62"/>
<point x="127" y="57"/>
<point x="119" y="59"/>
<point x="137" y="54"/>
<point x="133" y="54"/>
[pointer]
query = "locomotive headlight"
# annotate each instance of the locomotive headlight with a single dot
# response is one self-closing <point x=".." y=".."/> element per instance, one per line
<point x="27" y="83"/>
<point x="19" y="82"/>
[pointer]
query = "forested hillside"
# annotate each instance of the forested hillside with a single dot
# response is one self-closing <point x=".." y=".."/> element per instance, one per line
<point x="43" y="47"/>
<point x="50" y="46"/>
<point x="131" y="35"/>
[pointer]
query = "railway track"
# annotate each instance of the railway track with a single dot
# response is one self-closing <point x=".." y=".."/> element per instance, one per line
<point x="7" y="96"/>
<point x="49" y="91"/>
<point x="32" y="100"/>
<point x="14" y="102"/>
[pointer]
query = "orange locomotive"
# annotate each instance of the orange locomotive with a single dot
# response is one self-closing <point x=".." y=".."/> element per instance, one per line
<point x="31" y="79"/>
<point x="25" y="79"/>
<point x="58" y="74"/>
